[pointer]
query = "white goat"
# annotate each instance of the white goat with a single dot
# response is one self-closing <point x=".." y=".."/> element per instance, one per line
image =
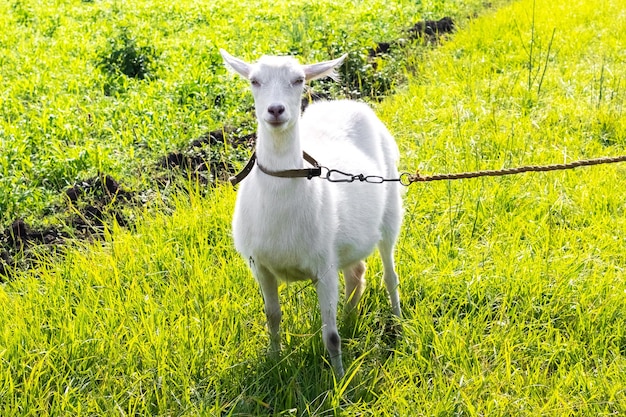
<point x="297" y="228"/>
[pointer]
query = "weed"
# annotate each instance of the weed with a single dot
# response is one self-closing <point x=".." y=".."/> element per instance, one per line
<point x="23" y="13"/>
<point x="124" y="56"/>
<point x="536" y="68"/>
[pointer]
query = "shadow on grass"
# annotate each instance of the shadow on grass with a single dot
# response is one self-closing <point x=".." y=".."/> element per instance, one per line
<point x="301" y="380"/>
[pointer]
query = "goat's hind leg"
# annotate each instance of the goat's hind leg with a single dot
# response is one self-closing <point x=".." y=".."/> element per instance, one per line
<point x="354" y="276"/>
<point x="386" y="248"/>
<point x="391" y="230"/>
<point x="269" y="288"/>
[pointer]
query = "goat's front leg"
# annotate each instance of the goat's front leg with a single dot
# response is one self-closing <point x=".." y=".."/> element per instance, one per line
<point x="269" y="288"/>
<point x="327" y="295"/>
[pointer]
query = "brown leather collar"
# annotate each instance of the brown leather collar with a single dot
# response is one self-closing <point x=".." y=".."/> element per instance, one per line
<point x="308" y="173"/>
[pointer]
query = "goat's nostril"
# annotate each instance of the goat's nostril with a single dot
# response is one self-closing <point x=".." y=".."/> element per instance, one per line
<point x="276" y="109"/>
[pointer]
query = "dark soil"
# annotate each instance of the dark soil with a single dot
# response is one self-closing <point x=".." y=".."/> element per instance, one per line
<point x="425" y="30"/>
<point x="198" y="159"/>
<point x="432" y="28"/>
<point x="96" y="202"/>
<point x="91" y="204"/>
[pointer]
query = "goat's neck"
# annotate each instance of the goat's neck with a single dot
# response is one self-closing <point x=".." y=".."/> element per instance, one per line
<point x="279" y="150"/>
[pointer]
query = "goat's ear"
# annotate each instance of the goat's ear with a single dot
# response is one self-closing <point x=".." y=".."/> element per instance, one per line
<point x="323" y="69"/>
<point x="239" y="66"/>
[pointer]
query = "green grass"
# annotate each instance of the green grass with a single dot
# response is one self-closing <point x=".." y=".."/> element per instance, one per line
<point x="69" y="111"/>
<point x="513" y="288"/>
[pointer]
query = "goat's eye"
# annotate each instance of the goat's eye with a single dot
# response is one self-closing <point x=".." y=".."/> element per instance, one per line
<point x="255" y="82"/>
<point x="297" y="82"/>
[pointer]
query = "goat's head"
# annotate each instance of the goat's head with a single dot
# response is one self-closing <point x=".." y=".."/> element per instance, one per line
<point x="277" y="83"/>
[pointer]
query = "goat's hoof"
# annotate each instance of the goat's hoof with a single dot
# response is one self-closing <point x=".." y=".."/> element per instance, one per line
<point x="337" y="364"/>
<point x="339" y="372"/>
<point x="392" y="332"/>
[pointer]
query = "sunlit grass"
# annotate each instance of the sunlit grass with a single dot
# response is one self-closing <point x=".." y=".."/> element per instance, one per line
<point x="517" y="284"/>
<point x="512" y="288"/>
<point x="69" y="112"/>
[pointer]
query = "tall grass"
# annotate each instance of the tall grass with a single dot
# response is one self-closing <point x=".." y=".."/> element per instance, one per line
<point x="517" y="284"/>
<point x="513" y="288"/>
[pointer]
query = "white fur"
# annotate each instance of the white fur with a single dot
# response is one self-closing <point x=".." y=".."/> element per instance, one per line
<point x="295" y="228"/>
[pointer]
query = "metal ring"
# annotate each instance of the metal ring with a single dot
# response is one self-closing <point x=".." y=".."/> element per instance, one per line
<point x="405" y="179"/>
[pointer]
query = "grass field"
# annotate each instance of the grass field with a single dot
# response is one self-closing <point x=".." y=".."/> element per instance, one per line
<point x="513" y="288"/>
<point x="96" y="86"/>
